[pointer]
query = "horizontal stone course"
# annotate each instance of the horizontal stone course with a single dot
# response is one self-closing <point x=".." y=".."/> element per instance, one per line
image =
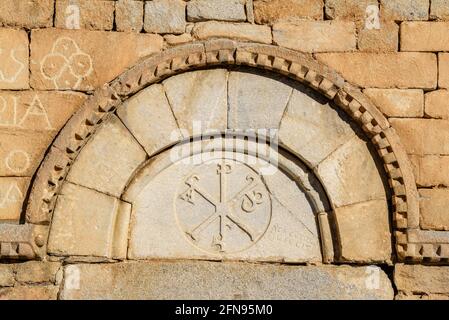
<point x="27" y="14"/>
<point x="398" y="103"/>
<point x="206" y="280"/>
<point x="224" y="10"/>
<point x="316" y="36"/>
<point x="165" y="16"/>
<point x="388" y="70"/>
<point x="425" y="36"/>
<point x="240" y="31"/>
<point x="271" y="11"/>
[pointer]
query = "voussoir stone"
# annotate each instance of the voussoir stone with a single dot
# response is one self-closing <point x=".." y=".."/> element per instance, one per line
<point x="82" y="60"/>
<point x="387" y="70"/>
<point x="150" y="119"/>
<point x="14" y="59"/>
<point x="240" y="31"/>
<point x="399" y="103"/>
<point x="256" y="101"/>
<point x="198" y="100"/>
<point x="88" y="223"/>
<point x="99" y="165"/>
<point x="206" y="280"/>
<point x="364" y="231"/>
<point x="165" y="16"/>
<point x="311" y="128"/>
<point x="225" y="10"/>
<point x="351" y="175"/>
<point x="316" y="36"/>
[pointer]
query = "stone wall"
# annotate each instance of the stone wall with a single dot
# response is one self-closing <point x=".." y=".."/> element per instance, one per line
<point x="55" y="54"/>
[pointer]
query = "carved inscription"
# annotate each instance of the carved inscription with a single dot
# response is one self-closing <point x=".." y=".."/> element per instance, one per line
<point x="223" y="207"/>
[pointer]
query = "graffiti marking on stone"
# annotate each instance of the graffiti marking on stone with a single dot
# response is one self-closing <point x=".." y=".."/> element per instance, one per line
<point x="229" y="218"/>
<point x="11" y="196"/>
<point x="36" y="109"/>
<point x="66" y="65"/>
<point x="17" y="161"/>
<point x="20" y="66"/>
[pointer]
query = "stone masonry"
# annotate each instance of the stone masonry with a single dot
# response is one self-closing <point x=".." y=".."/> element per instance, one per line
<point x="95" y="95"/>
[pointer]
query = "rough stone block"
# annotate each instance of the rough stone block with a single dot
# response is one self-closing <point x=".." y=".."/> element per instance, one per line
<point x="398" y="103"/>
<point x="443" y="70"/>
<point x="348" y="9"/>
<point x="433" y="207"/>
<point x="224" y="10"/>
<point x="165" y="16"/>
<point x="29" y="293"/>
<point x="425" y="36"/>
<point x="26" y="14"/>
<point x="385" y="39"/>
<point x="316" y="36"/>
<point x="400" y="10"/>
<point x="93" y="14"/>
<point x="14" y="59"/>
<point x="37" y="272"/>
<point x="129" y="15"/>
<point x="12" y="194"/>
<point x="432" y="171"/>
<point x="439" y="9"/>
<point x="206" y="280"/>
<point x="271" y="11"/>
<point x="6" y="275"/>
<point x="240" y="31"/>
<point x="423" y="279"/>
<point x="437" y="104"/>
<point x="82" y="60"/>
<point x="388" y="70"/>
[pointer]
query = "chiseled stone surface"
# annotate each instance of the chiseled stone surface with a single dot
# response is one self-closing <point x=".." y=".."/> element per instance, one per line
<point x="417" y="278"/>
<point x="348" y="9"/>
<point x="311" y="128"/>
<point x="364" y="230"/>
<point x="385" y="39"/>
<point x="6" y="275"/>
<point x="443" y="70"/>
<point x="84" y="221"/>
<point x="439" y="9"/>
<point x="93" y="14"/>
<point x="431" y="170"/>
<point x="207" y="280"/>
<point x="425" y="36"/>
<point x="256" y="101"/>
<point x="198" y="100"/>
<point x="386" y="70"/>
<point x="271" y="11"/>
<point x="14" y="59"/>
<point x="28" y="14"/>
<point x="400" y="10"/>
<point x="239" y="31"/>
<point x="150" y="119"/>
<point x="29" y="293"/>
<point x="82" y="60"/>
<point x="225" y="10"/>
<point x="165" y="16"/>
<point x="265" y="220"/>
<point x="437" y="104"/>
<point x="316" y="36"/>
<point x="351" y="175"/>
<point x="398" y="103"/>
<point x="433" y="204"/>
<point x="423" y="136"/>
<point x="128" y="15"/>
<point x="111" y="170"/>
<point x="37" y="272"/>
<point x="12" y="194"/>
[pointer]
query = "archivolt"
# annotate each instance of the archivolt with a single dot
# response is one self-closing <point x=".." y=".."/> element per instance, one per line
<point x="297" y="66"/>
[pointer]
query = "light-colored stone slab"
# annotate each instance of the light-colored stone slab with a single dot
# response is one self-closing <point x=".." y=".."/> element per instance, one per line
<point x="425" y="36"/>
<point x="443" y="70"/>
<point x="268" y="12"/>
<point x="225" y="10"/>
<point x="400" y="10"/>
<point x="311" y="128"/>
<point x="439" y="9"/>
<point x="82" y="60"/>
<point x="12" y="194"/>
<point x="398" y="103"/>
<point x="316" y="36"/>
<point x="165" y="16"/>
<point x="350" y="174"/>
<point x="437" y="104"/>
<point x="27" y="14"/>
<point x="269" y="220"/>
<point x="256" y="101"/>
<point x="199" y="97"/>
<point x="206" y="280"/>
<point x="108" y="160"/>
<point x="240" y="31"/>
<point x="129" y="15"/>
<point x="150" y="119"/>
<point x="364" y="232"/>
<point x="84" y="223"/>
<point x="14" y="59"/>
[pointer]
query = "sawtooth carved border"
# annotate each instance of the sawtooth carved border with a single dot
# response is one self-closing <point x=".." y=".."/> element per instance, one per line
<point x="412" y="244"/>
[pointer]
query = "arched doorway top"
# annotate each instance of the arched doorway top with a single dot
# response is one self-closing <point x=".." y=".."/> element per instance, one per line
<point x="299" y="67"/>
